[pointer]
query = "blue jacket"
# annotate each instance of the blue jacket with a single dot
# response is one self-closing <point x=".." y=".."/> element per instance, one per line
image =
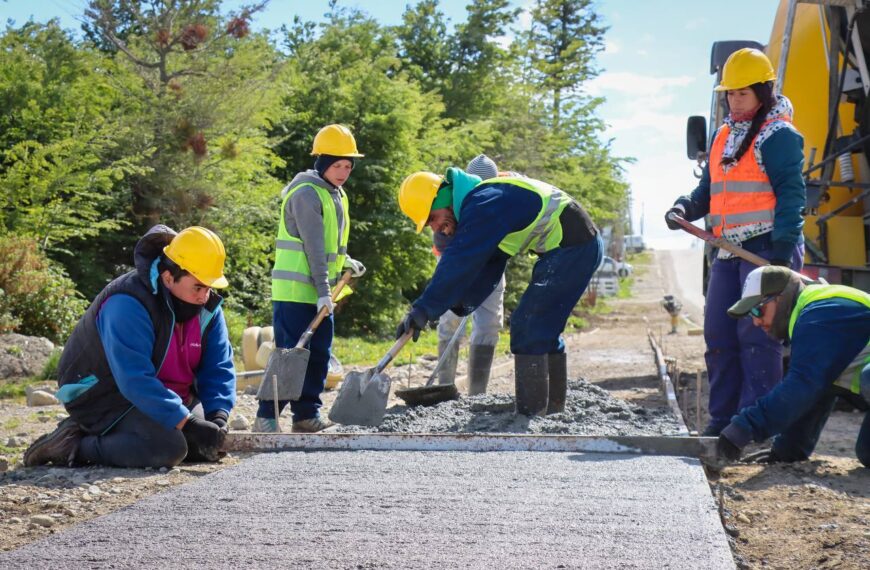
<point x="110" y="362"/>
<point x="782" y="156"/>
<point x="827" y="336"/>
<point x="472" y="265"/>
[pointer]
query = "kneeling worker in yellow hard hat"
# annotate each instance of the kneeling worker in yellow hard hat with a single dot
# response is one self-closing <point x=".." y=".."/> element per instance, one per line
<point x="310" y="254"/>
<point x="147" y="375"/>
<point x="490" y="221"/>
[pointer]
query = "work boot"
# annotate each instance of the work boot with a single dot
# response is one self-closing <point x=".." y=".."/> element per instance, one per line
<point x="557" y="370"/>
<point x="58" y="447"/>
<point x="266" y="425"/>
<point x="479" y="365"/>
<point x="530" y="380"/>
<point x="447" y="374"/>
<point x="312" y="425"/>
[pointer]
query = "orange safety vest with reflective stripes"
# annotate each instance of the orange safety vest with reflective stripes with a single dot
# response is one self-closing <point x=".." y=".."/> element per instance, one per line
<point x="741" y="196"/>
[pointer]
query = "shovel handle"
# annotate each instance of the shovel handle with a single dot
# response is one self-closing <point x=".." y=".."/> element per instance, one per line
<point x="719" y="242"/>
<point x="321" y="314"/>
<point x="456" y="334"/>
<point x="391" y="354"/>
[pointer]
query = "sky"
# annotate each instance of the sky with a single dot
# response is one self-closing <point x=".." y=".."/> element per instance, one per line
<point x="654" y="74"/>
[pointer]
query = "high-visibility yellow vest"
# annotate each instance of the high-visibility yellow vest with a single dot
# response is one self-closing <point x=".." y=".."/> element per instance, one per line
<point x="545" y="232"/>
<point x="851" y="378"/>
<point x="291" y="275"/>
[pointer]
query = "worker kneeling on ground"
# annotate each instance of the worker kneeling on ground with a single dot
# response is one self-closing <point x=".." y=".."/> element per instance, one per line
<point x="490" y="221"/>
<point x="147" y="375"/>
<point x="829" y="326"/>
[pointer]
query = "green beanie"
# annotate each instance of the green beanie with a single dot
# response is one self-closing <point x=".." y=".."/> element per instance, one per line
<point x="444" y="197"/>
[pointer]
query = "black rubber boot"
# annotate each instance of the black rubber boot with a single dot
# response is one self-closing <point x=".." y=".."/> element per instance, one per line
<point x="447" y="374"/>
<point x="530" y="380"/>
<point x="558" y="372"/>
<point x="479" y="365"/>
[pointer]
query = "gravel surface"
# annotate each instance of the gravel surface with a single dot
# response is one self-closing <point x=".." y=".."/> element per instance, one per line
<point x="589" y="410"/>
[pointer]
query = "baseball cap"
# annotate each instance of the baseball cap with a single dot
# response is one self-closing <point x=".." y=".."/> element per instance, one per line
<point x="760" y="284"/>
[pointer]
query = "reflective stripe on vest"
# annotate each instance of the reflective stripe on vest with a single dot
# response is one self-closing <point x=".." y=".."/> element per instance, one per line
<point x="545" y="232"/>
<point x="741" y="196"/>
<point x="814" y="293"/>
<point x="291" y="274"/>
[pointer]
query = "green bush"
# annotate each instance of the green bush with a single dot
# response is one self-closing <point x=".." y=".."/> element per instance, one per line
<point x="39" y="299"/>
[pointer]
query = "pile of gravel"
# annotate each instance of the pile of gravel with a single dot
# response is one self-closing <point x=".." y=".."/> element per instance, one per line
<point x="589" y="410"/>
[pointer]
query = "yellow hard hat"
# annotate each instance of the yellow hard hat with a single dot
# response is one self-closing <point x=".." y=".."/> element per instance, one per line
<point x="416" y="195"/>
<point x="336" y="140"/>
<point x="745" y="67"/>
<point x="200" y="252"/>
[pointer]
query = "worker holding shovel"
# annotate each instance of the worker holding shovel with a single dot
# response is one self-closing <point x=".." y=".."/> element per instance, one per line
<point x="310" y="253"/>
<point x="486" y="320"/>
<point x="752" y="192"/>
<point x="490" y="221"/>
<point x="829" y="329"/>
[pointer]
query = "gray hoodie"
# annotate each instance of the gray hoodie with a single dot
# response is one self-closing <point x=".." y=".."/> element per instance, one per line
<point x="303" y="218"/>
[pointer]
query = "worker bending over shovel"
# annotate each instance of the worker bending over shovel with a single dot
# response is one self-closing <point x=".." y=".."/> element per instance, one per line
<point x="491" y="221"/>
<point x="147" y="375"/>
<point x="829" y="326"/>
<point x="487" y="319"/>
<point x="310" y="253"/>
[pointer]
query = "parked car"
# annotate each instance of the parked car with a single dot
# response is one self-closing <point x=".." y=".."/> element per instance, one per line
<point x="634" y="243"/>
<point x="606" y="277"/>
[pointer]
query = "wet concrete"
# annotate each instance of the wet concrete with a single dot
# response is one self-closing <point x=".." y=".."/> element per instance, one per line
<point x="589" y="410"/>
<point x="411" y="510"/>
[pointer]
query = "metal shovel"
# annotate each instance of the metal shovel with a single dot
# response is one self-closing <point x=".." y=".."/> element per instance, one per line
<point x="429" y="394"/>
<point x="362" y="399"/>
<point x="290" y="364"/>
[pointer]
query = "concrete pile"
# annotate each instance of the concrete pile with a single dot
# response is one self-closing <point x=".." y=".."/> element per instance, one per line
<point x="589" y="410"/>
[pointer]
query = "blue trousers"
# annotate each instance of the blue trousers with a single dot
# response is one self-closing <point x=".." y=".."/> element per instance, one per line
<point x="289" y="321"/>
<point x="559" y="279"/>
<point x="743" y="362"/>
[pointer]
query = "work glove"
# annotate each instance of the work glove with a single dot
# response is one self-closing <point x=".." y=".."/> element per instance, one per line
<point x="762" y="456"/>
<point x="679" y="210"/>
<point x="415" y="320"/>
<point x="727" y="450"/>
<point x="219" y="418"/>
<point x="325" y="302"/>
<point x="357" y="269"/>
<point x="204" y="439"/>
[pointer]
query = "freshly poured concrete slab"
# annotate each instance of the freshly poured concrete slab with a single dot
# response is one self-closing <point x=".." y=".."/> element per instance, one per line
<point x="411" y="509"/>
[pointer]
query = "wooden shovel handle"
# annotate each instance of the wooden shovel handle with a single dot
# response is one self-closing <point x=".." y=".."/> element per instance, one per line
<point x="719" y="242"/>
<point x="394" y="350"/>
<point x="321" y="314"/>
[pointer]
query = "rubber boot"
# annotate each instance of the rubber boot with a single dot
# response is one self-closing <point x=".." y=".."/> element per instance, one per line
<point x="558" y="373"/>
<point x="447" y="374"/>
<point x="479" y="365"/>
<point x="532" y="388"/>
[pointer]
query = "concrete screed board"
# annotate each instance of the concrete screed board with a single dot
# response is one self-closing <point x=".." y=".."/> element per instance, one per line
<point x="410" y="509"/>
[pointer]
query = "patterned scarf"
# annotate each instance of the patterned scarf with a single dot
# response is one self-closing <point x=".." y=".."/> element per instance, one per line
<point x="738" y="130"/>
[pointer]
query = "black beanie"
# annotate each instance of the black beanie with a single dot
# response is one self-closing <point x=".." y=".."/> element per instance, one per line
<point x="324" y="161"/>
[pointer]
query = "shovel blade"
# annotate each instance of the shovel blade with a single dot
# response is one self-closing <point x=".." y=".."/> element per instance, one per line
<point x="362" y="399"/>
<point x="428" y="395"/>
<point x="290" y="365"/>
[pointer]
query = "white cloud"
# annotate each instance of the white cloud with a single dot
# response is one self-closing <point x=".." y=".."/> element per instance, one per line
<point x="611" y="47"/>
<point x="638" y="84"/>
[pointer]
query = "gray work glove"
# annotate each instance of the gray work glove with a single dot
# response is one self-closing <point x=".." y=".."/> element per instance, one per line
<point x="357" y="269"/>
<point x="677" y="209"/>
<point x="325" y="302"/>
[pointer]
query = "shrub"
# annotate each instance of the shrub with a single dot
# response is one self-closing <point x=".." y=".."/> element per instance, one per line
<point x="39" y="299"/>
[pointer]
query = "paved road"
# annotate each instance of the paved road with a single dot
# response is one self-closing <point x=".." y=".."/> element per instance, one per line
<point x="682" y="271"/>
<point x="411" y="510"/>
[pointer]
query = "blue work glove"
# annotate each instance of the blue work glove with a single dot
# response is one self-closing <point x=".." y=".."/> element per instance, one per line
<point x="415" y="320"/>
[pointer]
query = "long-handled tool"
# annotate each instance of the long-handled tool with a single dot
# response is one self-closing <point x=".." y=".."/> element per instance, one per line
<point x="362" y="399"/>
<point x="719" y="242"/>
<point x="290" y="364"/>
<point x="429" y="395"/>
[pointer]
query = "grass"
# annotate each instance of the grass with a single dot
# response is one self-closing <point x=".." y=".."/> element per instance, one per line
<point x="15" y="388"/>
<point x="358" y="351"/>
<point x="12" y="423"/>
